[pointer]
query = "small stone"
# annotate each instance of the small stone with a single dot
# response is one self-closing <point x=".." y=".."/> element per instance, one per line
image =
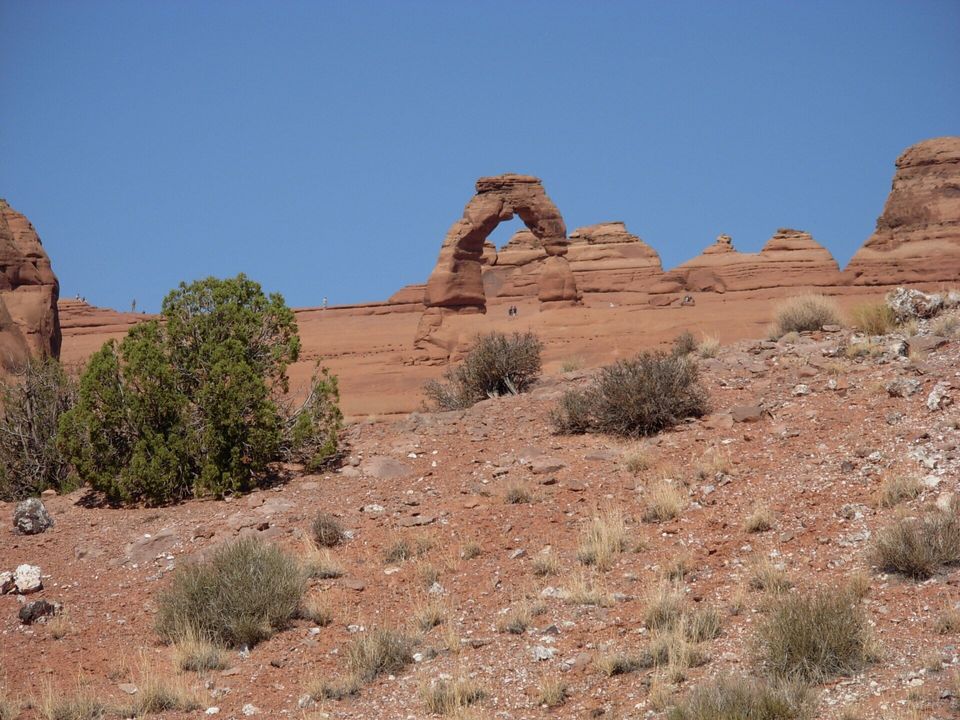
<point x="306" y="701"/>
<point x="938" y="397"/>
<point x="26" y="579"/>
<point x="541" y="653"/>
<point x="545" y="465"/>
<point x="213" y="710"/>
<point x="517" y="553"/>
<point x="801" y="389"/>
<point x="249" y="709"/>
<point x="436" y="588"/>
<point x="373" y="508"/>
<point x="30" y="517"/>
<point x="746" y="413"/>
<point x="128" y="688"/>
<point x="353" y="584"/>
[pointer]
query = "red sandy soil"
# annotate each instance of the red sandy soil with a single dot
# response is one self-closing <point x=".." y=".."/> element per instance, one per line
<point x="816" y="461"/>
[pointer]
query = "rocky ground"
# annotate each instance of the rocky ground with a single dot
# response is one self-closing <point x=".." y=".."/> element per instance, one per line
<point x="804" y="428"/>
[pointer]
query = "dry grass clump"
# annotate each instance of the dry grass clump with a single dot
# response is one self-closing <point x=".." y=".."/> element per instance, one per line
<point x="552" y="692"/>
<point x="742" y="698"/>
<point x="582" y="590"/>
<point x="684" y="343"/>
<point x="947" y="622"/>
<point x="322" y="689"/>
<point x="81" y="705"/>
<point x="945" y="326"/>
<point x="633" y="398"/>
<point x="663" y="501"/>
<point x="708" y="347"/>
<point x="712" y="464"/>
<point x="59" y="626"/>
<point x="9" y="708"/>
<point x="377" y="651"/>
<point x="619" y="663"/>
<point x="767" y="576"/>
<point x="327" y="530"/>
<point x="604" y="539"/>
<point x="919" y="546"/>
<point x="815" y="636"/>
<point x="873" y="318"/>
<point x="497" y="364"/>
<point x="805" y="313"/>
<point x="470" y="550"/>
<point x="447" y="697"/>
<point x="637" y="460"/>
<point x="319" y="563"/>
<point x="517" y="495"/>
<point x="429" y="615"/>
<point x="665" y="605"/>
<point x="159" y="694"/>
<point x="317" y="611"/>
<point x="675" y="651"/>
<point x="197" y="653"/>
<point x="759" y="520"/>
<point x="518" y="618"/>
<point x="406" y="549"/>
<point x="545" y="563"/>
<point x="247" y="591"/>
<point x="895" y="489"/>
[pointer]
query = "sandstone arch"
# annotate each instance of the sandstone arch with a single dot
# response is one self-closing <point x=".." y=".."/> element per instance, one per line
<point x="456" y="282"/>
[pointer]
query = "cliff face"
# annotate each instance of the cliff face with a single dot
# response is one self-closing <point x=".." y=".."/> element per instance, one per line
<point x="29" y="322"/>
<point x="917" y="238"/>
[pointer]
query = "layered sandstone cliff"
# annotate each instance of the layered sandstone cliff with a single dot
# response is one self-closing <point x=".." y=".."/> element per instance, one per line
<point x="29" y="323"/>
<point x="917" y="238"/>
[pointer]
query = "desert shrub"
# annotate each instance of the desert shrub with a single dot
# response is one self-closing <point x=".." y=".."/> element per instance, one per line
<point x="895" y="489"/>
<point x="552" y="692"/>
<point x="159" y="694"/>
<point x="684" y="343"/>
<point x="246" y="591"/>
<point x="196" y="653"/>
<point x="327" y="530"/>
<point x="377" y="651"/>
<point x="663" y="501"/>
<point x="709" y="346"/>
<point x="447" y="697"/>
<point x="918" y="546"/>
<point x="740" y="698"/>
<point x="808" y="312"/>
<point x="815" y="636"/>
<point x="312" y="431"/>
<point x="873" y="318"/>
<point x="759" y="520"/>
<point x="497" y="364"/>
<point x="633" y="398"/>
<point x="190" y="405"/>
<point x="32" y="401"/>
<point x="603" y="539"/>
<point x="80" y="705"/>
<point x="619" y="663"/>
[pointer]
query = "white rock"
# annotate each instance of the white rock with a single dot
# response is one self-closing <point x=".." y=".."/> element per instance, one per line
<point x="211" y="710"/>
<point x="543" y="653"/>
<point x="249" y="709"/>
<point x="938" y="397"/>
<point x="801" y="389"/>
<point x="26" y="578"/>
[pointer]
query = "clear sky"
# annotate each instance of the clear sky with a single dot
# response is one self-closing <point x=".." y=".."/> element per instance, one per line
<point x="324" y="148"/>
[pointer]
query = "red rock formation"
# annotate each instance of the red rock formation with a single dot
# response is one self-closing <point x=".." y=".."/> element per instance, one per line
<point x="28" y="292"/>
<point x="456" y="281"/>
<point x="917" y="238"/>
<point x="791" y="258"/>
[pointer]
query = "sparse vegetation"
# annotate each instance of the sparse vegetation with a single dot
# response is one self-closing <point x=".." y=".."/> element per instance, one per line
<point x="82" y="704"/>
<point x="633" y="398"/>
<point x="759" y="520"/>
<point x="406" y="549"/>
<point x="636" y="460"/>
<point x="552" y="692"/>
<point x="316" y="610"/>
<point x="157" y="693"/>
<point x="945" y="326"/>
<point x="582" y="590"/>
<point x="323" y="689"/>
<point x="190" y="404"/>
<point x="377" y="651"/>
<point x="895" y="489"/>
<point x="429" y="615"/>
<point x="769" y="577"/>
<point x="497" y="364"/>
<point x="873" y="318"/>
<point x="708" y="347"/>
<point x="604" y="538"/>
<point x="663" y="501"/>
<point x="740" y="698"/>
<point x="815" y="636"/>
<point x="919" y="546"/>
<point x="684" y="344"/>
<point x="327" y="530"/>
<point x="197" y="653"/>
<point x="446" y="697"/>
<point x="9" y="708"/>
<point x="948" y="622"/>
<point x="618" y="663"/>
<point x="32" y="402"/>
<point x="319" y="563"/>
<point x="519" y="617"/>
<point x="470" y="550"/>
<point x="805" y="313"/>
<point x="247" y="591"/>
<point x="545" y="563"/>
<point x="517" y="495"/>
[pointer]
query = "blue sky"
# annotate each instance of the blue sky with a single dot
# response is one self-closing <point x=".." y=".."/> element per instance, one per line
<point x="324" y="148"/>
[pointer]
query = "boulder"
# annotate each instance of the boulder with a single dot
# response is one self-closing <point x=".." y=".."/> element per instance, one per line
<point x="27" y="579"/>
<point x="30" y="517"/>
<point x="383" y="467"/>
<point x="34" y="611"/>
<point x="910" y="303"/>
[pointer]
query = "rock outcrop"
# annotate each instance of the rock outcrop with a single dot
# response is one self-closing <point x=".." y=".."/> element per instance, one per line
<point x="29" y="322"/>
<point x="917" y="238"/>
<point x="791" y="258"/>
<point x="457" y="282"/>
